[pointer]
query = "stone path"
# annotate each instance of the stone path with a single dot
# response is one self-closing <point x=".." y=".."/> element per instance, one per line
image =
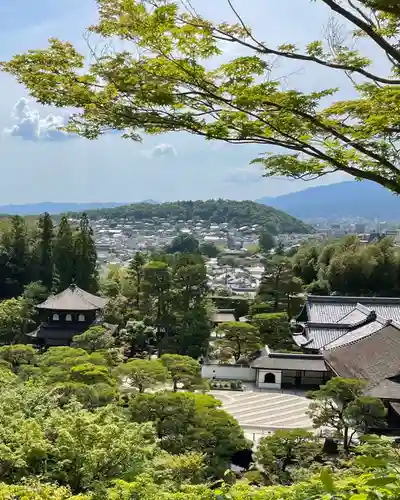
<point x="260" y="413"/>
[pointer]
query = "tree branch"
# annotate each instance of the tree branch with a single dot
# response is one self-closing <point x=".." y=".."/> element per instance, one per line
<point x="362" y="25"/>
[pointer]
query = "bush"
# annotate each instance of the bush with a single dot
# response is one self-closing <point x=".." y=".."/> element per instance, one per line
<point x="233" y="385"/>
<point x="274" y="330"/>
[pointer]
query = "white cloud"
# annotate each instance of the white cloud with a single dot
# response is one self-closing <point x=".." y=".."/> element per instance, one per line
<point x="163" y="150"/>
<point x="29" y="125"/>
<point x="246" y="175"/>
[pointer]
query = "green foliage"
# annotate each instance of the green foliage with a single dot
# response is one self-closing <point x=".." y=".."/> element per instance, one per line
<point x="278" y="284"/>
<point x="260" y="308"/>
<point x="44" y="251"/>
<point x="85" y="257"/>
<point x="138" y="337"/>
<point x="35" y="254"/>
<point x="183" y="243"/>
<point x="16" y="260"/>
<point x="284" y="450"/>
<point x="319" y="287"/>
<point x="274" y="330"/>
<point x="189" y="306"/>
<point x="235" y="213"/>
<point x="237" y="340"/>
<point x="346" y="267"/>
<point x="266" y="242"/>
<point x="94" y="339"/>
<point x="136" y="273"/>
<point x="191" y="422"/>
<point x="34" y="490"/>
<point x="15" y="319"/>
<point x="182" y="369"/>
<point x="209" y="250"/>
<point x="73" y="372"/>
<point x="142" y="374"/>
<point x="63" y="252"/>
<point x="18" y="355"/>
<point x="341" y="405"/>
<point x="240" y="100"/>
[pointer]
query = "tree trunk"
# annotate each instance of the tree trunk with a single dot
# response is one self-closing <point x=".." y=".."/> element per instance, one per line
<point x="346" y="443"/>
<point x="175" y="388"/>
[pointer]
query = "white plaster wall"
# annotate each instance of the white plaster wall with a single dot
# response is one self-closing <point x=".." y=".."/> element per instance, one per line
<point x="228" y="372"/>
<point x="278" y="379"/>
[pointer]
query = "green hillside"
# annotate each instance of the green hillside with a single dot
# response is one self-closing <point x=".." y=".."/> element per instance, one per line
<point x="236" y="213"/>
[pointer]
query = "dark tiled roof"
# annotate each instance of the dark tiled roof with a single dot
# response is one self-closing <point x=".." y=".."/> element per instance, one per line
<point x="331" y="309"/>
<point x="319" y="334"/>
<point x="286" y="361"/>
<point x="373" y="358"/>
<point x="356" y="315"/>
<point x="387" y="389"/>
<point x="358" y="333"/>
<point x="46" y="332"/>
<point x="73" y="299"/>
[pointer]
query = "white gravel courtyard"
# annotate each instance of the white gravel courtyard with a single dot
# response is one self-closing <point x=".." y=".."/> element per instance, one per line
<point x="259" y="413"/>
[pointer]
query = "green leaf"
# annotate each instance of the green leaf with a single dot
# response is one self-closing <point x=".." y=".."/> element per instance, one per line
<point x="371" y="462"/>
<point x="327" y="480"/>
<point x="381" y="481"/>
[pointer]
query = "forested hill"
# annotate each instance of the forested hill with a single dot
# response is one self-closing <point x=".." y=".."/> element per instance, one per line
<point x="237" y="213"/>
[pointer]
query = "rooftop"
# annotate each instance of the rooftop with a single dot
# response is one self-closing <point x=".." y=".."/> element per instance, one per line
<point x="288" y="361"/>
<point x="374" y="358"/>
<point x="335" y="320"/>
<point x="331" y="309"/>
<point x="73" y="298"/>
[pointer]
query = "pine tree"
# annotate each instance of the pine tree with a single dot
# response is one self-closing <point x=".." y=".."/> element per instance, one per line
<point x="278" y="283"/>
<point x="156" y="289"/>
<point x="18" y="266"/>
<point x="85" y="257"/>
<point x="64" y="255"/>
<point x="44" y="251"/>
<point x="189" y="306"/>
<point x="136" y="273"/>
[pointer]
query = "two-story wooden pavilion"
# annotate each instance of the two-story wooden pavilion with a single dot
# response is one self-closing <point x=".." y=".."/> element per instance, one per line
<point x="65" y="315"/>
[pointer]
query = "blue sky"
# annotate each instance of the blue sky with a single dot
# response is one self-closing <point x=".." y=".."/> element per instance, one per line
<point x="37" y="163"/>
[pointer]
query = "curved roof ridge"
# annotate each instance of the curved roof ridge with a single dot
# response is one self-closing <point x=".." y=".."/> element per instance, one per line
<point x="86" y="296"/>
<point x="354" y="299"/>
<point x="355" y="341"/>
<point x="73" y="298"/>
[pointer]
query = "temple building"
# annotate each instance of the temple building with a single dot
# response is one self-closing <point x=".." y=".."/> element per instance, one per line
<point x="62" y="316"/>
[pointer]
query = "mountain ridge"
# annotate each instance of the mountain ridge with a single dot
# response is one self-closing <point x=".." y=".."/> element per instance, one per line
<point x="348" y="199"/>
<point x="54" y="208"/>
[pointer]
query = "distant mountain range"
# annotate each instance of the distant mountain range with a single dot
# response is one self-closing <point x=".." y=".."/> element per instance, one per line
<point x="350" y="199"/>
<point x="59" y="208"/>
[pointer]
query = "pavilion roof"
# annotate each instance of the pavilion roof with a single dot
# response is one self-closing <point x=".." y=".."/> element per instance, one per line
<point x="73" y="298"/>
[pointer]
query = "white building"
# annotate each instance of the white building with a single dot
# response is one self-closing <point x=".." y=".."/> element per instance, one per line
<point x="274" y="370"/>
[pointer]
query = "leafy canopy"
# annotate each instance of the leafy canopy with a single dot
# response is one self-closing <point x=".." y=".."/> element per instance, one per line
<point x="167" y="84"/>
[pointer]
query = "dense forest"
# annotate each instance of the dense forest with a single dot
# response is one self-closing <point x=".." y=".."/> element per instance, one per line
<point x="37" y="251"/>
<point x="236" y="213"/>
<point x="348" y="267"/>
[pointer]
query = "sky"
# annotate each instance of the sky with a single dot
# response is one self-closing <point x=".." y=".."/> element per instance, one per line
<point x="40" y="163"/>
